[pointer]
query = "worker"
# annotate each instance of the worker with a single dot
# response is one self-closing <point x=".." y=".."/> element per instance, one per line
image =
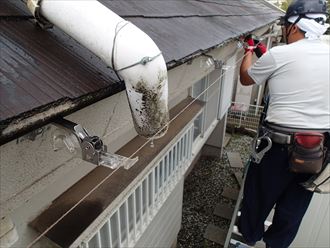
<point x="299" y="91"/>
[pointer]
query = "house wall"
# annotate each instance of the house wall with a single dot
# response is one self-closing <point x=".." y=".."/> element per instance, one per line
<point x="27" y="167"/>
<point x="32" y="174"/>
<point x="215" y="143"/>
<point x="184" y="76"/>
<point x="163" y="230"/>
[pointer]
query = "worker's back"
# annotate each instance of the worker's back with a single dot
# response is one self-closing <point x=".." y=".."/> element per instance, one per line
<point x="298" y="77"/>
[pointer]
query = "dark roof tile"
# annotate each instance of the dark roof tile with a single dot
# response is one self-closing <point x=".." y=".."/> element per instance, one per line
<point x="182" y="28"/>
<point x="42" y="68"/>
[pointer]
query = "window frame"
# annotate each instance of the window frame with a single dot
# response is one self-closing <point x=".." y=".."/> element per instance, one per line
<point x="206" y="97"/>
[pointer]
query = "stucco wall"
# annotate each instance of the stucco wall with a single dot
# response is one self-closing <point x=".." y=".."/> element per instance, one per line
<point x="184" y="76"/>
<point x="28" y="167"/>
<point x="32" y="174"/>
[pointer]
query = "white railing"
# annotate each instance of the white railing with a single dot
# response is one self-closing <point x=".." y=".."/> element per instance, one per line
<point x="244" y="115"/>
<point x="127" y="223"/>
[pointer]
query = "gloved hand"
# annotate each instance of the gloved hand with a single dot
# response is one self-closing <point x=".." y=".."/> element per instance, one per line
<point x="251" y="41"/>
<point x="250" y="44"/>
<point x="260" y="49"/>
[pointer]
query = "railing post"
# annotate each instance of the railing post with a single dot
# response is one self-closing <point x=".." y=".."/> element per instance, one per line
<point x="240" y="119"/>
<point x="251" y="115"/>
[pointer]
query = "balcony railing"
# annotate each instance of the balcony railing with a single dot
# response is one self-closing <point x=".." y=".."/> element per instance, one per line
<point x="126" y="224"/>
<point x="241" y="115"/>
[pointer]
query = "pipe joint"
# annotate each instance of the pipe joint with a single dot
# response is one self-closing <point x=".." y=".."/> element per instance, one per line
<point x="34" y="7"/>
<point x="145" y="60"/>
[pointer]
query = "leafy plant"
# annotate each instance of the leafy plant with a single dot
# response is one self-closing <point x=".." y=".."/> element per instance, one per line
<point x="285" y="4"/>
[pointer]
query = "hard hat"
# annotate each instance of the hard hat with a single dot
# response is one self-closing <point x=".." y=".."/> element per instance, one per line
<point x="302" y="7"/>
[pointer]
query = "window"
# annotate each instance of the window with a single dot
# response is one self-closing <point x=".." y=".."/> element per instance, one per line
<point x="213" y="95"/>
<point x="199" y="87"/>
<point x="198" y="126"/>
<point x="227" y="86"/>
<point x="208" y="90"/>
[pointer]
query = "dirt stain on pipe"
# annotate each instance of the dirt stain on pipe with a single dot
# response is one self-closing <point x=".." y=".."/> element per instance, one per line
<point x="154" y="110"/>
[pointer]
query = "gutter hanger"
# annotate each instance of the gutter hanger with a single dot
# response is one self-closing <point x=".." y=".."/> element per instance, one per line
<point x="123" y="47"/>
<point x="89" y="148"/>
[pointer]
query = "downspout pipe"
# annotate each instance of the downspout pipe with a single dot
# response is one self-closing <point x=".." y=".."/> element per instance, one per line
<point x="122" y="46"/>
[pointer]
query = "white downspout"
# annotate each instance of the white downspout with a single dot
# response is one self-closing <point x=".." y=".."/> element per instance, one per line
<point x="123" y="47"/>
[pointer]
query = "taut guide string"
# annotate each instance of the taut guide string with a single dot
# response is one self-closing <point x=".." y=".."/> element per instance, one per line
<point x="142" y="146"/>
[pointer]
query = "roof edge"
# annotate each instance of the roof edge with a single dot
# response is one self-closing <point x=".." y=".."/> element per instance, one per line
<point x="26" y="122"/>
<point x="174" y="63"/>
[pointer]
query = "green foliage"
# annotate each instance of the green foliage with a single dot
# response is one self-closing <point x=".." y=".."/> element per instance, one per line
<point x="285" y="4"/>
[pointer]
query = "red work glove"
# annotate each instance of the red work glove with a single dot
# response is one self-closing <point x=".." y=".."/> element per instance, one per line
<point x="250" y="44"/>
<point x="260" y="49"/>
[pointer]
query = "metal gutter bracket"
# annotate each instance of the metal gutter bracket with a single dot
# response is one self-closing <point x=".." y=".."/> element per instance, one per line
<point x="34" y="7"/>
<point x="89" y="148"/>
<point x="217" y="63"/>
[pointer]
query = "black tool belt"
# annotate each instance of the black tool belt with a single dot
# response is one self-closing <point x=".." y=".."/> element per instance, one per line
<point x="307" y="149"/>
<point x="284" y="135"/>
<point x="278" y="135"/>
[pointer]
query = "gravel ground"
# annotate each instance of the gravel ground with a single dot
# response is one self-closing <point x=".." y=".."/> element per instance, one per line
<point x="202" y="192"/>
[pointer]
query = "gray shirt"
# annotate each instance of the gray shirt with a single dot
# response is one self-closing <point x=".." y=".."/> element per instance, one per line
<point x="299" y="87"/>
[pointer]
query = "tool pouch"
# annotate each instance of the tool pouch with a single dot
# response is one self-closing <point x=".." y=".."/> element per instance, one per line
<point x="307" y="153"/>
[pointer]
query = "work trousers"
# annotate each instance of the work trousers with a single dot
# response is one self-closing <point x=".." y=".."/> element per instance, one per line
<point x="270" y="184"/>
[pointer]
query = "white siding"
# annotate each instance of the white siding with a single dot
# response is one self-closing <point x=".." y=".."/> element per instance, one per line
<point x="166" y="224"/>
<point x="315" y="227"/>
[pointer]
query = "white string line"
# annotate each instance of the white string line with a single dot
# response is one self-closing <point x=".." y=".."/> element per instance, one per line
<point x="111" y="173"/>
<point x="188" y="105"/>
<point x="116" y="129"/>
<point x="69" y="211"/>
